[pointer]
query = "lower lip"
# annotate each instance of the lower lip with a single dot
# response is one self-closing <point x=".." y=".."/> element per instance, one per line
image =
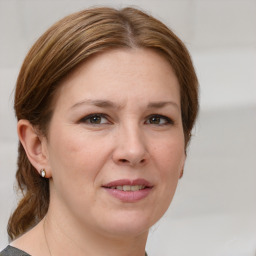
<point x="129" y="196"/>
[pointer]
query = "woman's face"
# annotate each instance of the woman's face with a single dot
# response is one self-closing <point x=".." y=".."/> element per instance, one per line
<point x="115" y="145"/>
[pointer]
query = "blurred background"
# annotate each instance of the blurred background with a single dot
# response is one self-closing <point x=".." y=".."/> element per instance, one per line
<point x="214" y="210"/>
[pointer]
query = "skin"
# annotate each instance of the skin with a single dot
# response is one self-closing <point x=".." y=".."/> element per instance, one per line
<point x="138" y="135"/>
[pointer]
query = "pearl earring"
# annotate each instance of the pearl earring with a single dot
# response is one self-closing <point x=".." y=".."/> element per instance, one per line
<point x="42" y="173"/>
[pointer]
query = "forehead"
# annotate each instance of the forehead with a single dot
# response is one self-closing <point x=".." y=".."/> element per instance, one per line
<point x="120" y="74"/>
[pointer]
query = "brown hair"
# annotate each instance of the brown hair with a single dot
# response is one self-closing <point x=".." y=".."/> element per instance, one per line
<point x="56" y="53"/>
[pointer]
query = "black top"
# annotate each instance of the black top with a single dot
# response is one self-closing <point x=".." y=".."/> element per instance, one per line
<point x="12" y="251"/>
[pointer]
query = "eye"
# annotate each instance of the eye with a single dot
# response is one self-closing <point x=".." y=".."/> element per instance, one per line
<point x="95" y="119"/>
<point x="159" y="120"/>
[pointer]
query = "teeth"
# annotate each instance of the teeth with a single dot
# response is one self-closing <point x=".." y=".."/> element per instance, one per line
<point x="129" y="188"/>
<point x="126" y="188"/>
<point x="134" y="188"/>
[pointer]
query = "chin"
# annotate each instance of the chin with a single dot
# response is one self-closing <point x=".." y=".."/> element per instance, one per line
<point x="129" y="224"/>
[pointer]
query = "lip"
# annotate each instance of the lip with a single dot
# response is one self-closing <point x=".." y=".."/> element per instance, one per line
<point x="128" y="196"/>
<point x="123" y="182"/>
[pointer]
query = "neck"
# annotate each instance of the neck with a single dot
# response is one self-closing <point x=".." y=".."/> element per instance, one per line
<point x="61" y="239"/>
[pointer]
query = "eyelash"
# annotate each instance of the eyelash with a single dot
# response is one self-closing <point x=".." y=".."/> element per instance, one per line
<point x="98" y="115"/>
<point x="88" y="119"/>
<point x="168" y="121"/>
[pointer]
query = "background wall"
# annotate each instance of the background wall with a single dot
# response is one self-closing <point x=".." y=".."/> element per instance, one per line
<point x="214" y="210"/>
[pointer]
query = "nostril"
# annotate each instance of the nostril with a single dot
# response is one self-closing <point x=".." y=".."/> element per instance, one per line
<point x="125" y="161"/>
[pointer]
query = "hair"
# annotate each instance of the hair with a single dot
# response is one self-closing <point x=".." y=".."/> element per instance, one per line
<point x="65" y="45"/>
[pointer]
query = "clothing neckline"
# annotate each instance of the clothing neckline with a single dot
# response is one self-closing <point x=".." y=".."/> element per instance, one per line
<point x="10" y="247"/>
<point x="16" y="250"/>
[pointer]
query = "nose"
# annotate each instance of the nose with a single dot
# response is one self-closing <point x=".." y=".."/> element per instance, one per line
<point x="130" y="149"/>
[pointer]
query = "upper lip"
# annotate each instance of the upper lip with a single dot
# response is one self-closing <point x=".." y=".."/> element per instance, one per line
<point x="129" y="182"/>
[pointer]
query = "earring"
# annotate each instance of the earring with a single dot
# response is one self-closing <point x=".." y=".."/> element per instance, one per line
<point x="42" y="173"/>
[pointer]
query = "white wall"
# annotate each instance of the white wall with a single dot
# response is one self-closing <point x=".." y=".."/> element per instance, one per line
<point x="214" y="211"/>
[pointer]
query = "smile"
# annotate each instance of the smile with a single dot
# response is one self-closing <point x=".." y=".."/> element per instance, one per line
<point x="129" y="190"/>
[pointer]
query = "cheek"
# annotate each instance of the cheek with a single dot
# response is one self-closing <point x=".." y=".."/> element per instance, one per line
<point x="76" y="156"/>
<point x="169" y="159"/>
<point x="170" y="156"/>
<point x="74" y="164"/>
<point x="170" y="163"/>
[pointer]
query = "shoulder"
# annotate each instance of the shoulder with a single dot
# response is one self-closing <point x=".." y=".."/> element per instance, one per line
<point x="12" y="251"/>
<point x="29" y="243"/>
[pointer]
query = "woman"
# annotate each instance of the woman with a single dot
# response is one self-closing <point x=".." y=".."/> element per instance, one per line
<point x="105" y="101"/>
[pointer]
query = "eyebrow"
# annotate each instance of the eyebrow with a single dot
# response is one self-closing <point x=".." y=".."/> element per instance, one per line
<point x="97" y="103"/>
<point x="161" y="104"/>
<point x="110" y="104"/>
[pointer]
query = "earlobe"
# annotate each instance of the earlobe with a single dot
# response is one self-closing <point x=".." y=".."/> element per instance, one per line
<point x="33" y="144"/>
<point x="183" y="165"/>
<point x="181" y="173"/>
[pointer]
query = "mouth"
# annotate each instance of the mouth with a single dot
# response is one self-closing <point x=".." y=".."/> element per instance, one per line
<point x="128" y="187"/>
<point x="129" y="190"/>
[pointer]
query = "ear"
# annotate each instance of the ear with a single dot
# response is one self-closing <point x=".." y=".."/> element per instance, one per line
<point x="181" y="173"/>
<point x="182" y="168"/>
<point x="35" y="146"/>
